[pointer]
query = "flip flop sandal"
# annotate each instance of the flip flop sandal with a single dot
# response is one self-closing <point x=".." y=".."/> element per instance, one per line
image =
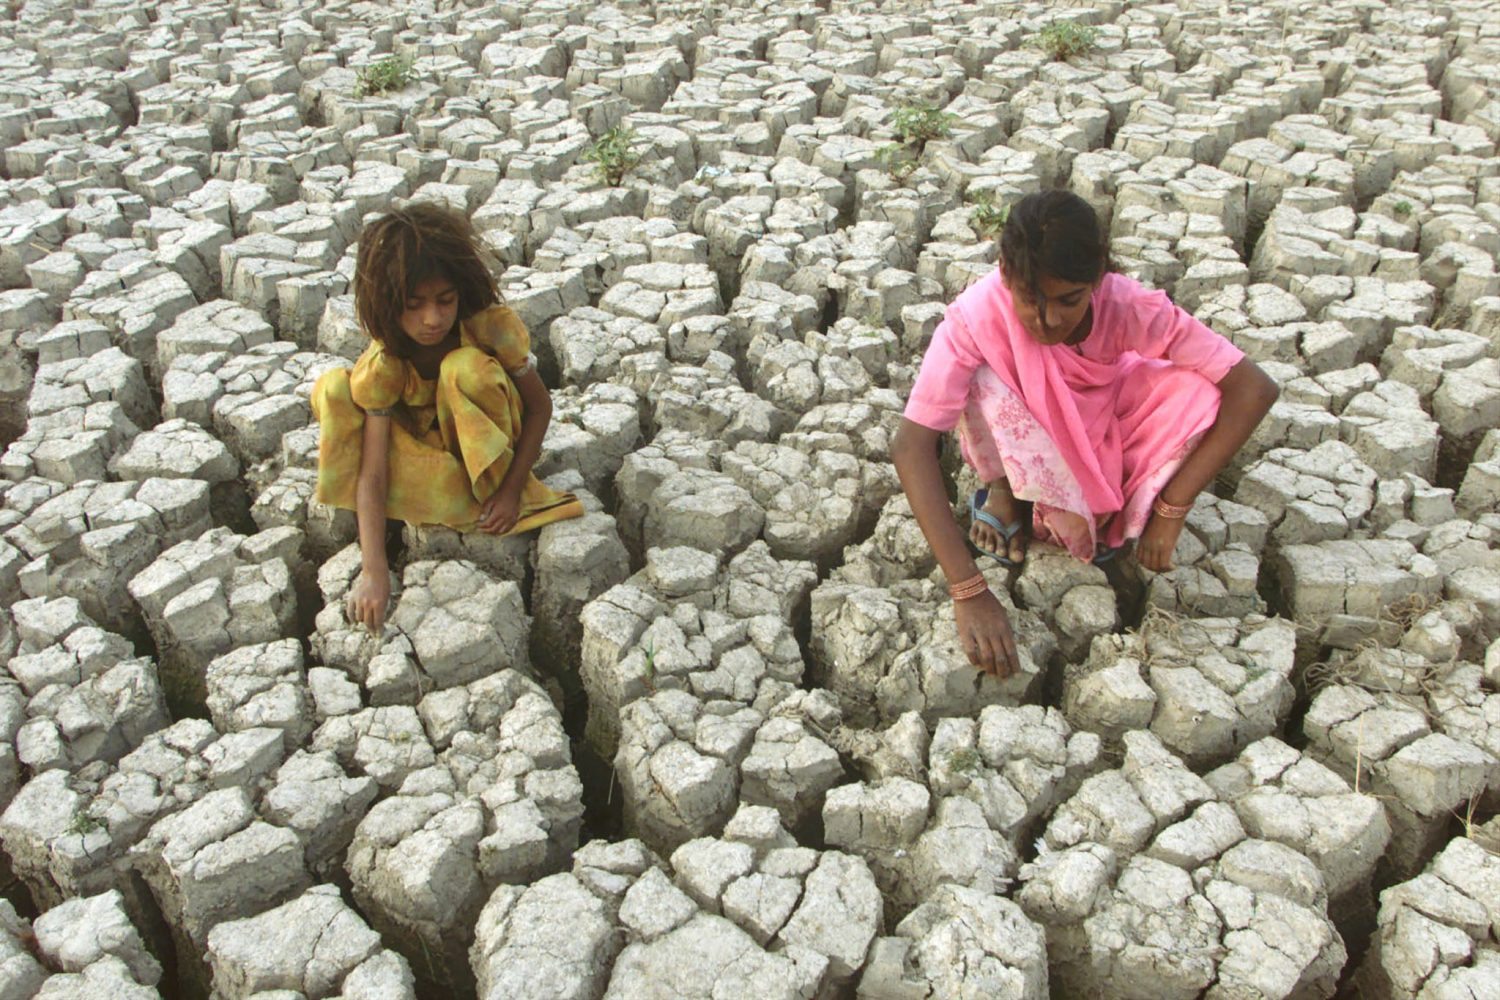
<point x="1007" y="531"/>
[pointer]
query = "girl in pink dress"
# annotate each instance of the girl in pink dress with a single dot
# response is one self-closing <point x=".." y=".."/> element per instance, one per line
<point x="1094" y="409"/>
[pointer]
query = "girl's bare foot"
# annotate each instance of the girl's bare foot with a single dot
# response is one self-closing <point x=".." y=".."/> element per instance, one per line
<point x="1002" y="505"/>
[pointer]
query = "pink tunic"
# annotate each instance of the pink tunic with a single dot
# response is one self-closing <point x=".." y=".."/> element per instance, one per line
<point x="1086" y="432"/>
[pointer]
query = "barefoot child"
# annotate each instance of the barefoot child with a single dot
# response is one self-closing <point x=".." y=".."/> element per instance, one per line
<point x="1077" y="393"/>
<point x="428" y="426"/>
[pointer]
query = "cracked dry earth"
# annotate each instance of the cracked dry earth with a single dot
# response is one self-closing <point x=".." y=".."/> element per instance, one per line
<point x="716" y="738"/>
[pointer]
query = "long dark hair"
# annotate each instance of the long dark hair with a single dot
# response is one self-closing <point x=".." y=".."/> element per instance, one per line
<point x="406" y="247"/>
<point x="1054" y="233"/>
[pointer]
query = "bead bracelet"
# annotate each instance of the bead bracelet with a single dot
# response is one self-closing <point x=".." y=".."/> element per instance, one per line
<point x="972" y="587"/>
<point x="1171" y="511"/>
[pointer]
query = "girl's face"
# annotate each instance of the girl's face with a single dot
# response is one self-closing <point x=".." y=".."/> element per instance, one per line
<point x="1057" y="316"/>
<point x="430" y="312"/>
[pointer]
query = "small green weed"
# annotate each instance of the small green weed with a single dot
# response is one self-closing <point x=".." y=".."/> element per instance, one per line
<point x="1402" y="208"/>
<point x="84" y="823"/>
<point x="915" y="125"/>
<point x="650" y="651"/>
<point x="897" y="161"/>
<point x="989" y="216"/>
<point x="1062" y="40"/>
<point x="612" y="156"/>
<point x="390" y="73"/>
<point x="964" y="760"/>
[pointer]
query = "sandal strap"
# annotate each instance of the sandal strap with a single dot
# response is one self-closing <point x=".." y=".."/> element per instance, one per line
<point x="977" y="511"/>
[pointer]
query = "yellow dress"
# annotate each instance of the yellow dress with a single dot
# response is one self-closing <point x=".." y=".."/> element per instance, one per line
<point x="451" y="437"/>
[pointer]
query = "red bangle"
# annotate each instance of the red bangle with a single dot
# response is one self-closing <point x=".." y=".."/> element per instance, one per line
<point x="966" y="589"/>
<point x="1171" y="511"/>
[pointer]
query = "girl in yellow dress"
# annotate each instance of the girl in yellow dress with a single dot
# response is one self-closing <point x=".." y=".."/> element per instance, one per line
<point x="427" y="427"/>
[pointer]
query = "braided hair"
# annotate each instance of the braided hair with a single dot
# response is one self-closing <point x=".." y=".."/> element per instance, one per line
<point x="1056" y="234"/>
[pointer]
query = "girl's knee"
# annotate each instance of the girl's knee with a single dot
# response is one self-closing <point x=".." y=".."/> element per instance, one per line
<point x="460" y="359"/>
<point x="331" y="389"/>
<point x="465" y="369"/>
<point x="1174" y="379"/>
<point x="335" y="381"/>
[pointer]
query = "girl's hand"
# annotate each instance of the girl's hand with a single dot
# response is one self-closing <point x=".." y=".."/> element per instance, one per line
<point x="368" y="599"/>
<point x="984" y="632"/>
<point x="500" y="512"/>
<point x="1153" y="550"/>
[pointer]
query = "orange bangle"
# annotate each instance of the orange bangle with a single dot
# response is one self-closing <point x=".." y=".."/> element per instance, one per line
<point x="970" y="588"/>
<point x="1171" y="511"/>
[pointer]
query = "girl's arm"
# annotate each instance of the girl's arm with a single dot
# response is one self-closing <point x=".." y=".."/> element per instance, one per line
<point x="1247" y="394"/>
<point x="914" y="453"/>
<point x="983" y="627"/>
<point x="500" y="513"/>
<point x="372" y="590"/>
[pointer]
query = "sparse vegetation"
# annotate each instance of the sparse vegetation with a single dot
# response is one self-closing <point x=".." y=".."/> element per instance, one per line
<point x="389" y="74"/>
<point x="1402" y="208"/>
<point x="914" y="126"/>
<point x="650" y="651"/>
<point x="84" y="823"/>
<point x="613" y="156"/>
<point x="1062" y="40"/>
<point x="964" y="760"/>
<point x="989" y="216"/>
<point x="917" y="124"/>
<point x="897" y="161"/>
